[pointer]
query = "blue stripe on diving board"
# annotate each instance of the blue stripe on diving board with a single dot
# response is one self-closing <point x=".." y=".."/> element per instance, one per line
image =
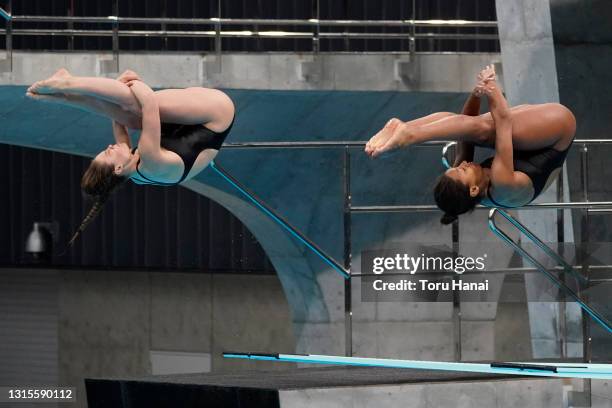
<point x="565" y="370"/>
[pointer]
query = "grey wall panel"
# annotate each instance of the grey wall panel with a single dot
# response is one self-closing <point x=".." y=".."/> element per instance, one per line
<point x="28" y="327"/>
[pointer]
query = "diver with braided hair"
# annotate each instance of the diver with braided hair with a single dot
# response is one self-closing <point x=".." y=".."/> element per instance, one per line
<point x="531" y="143"/>
<point x="182" y="130"/>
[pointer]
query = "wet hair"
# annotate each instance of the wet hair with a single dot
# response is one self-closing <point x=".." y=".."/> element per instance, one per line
<point x="98" y="182"/>
<point x="453" y="197"/>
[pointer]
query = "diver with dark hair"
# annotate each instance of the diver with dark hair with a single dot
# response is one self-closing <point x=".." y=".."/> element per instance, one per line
<point x="531" y="143"/>
<point x="181" y="130"/>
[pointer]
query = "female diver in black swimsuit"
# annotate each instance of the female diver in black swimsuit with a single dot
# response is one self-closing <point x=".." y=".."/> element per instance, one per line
<point x="531" y="143"/>
<point x="182" y="130"/>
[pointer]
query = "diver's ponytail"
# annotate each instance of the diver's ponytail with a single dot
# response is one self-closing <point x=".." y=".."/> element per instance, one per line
<point x="98" y="182"/>
<point x="95" y="209"/>
<point x="448" y="219"/>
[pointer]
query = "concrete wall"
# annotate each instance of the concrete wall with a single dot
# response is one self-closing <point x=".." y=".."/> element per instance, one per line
<point x="507" y="394"/>
<point x="583" y="49"/>
<point x="530" y="76"/>
<point x="110" y="321"/>
<point x="367" y="72"/>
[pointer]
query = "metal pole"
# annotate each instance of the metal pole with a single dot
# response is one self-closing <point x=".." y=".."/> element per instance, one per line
<point x="164" y="27"/>
<point x="560" y="239"/>
<point x="348" y="283"/>
<point x="7" y="14"/>
<point x="602" y="320"/>
<point x="259" y="21"/>
<point x="218" y="38"/>
<point x="116" y="37"/>
<point x="545" y="248"/>
<point x="70" y="25"/>
<point x="456" y="296"/>
<point x="357" y="144"/>
<point x="430" y="207"/>
<point x="584" y="240"/>
<point x="412" y="40"/>
<point x="316" y="46"/>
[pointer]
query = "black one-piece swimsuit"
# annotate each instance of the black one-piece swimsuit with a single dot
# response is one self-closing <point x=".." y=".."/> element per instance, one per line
<point x="188" y="141"/>
<point x="536" y="164"/>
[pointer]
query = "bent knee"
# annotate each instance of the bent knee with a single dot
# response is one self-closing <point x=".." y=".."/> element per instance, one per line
<point x="566" y="117"/>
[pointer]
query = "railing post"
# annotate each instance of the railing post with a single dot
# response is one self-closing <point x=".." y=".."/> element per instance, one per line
<point x="218" y="42"/>
<point x="412" y="40"/>
<point x="456" y="296"/>
<point x="6" y="64"/>
<point x="70" y="25"/>
<point x="348" y="283"/>
<point x="316" y="45"/>
<point x="112" y="66"/>
<point x="584" y="241"/>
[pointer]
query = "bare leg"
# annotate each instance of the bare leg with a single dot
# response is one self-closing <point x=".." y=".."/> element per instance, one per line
<point x="534" y="127"/>
<point x="184" y="106"/>
<point x="193" y="106"/>
<point x="93" y="105"/>
<point x="106" y="89"/>
<point x="451" y="128"/>
<point x="387" y="131"/>
<point x="539" y="126"/>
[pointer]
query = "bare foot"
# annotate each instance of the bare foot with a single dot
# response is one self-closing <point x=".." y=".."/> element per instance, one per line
<point x="381" y="137"/>
<point x="397" y="141"/>
<point x="43" y="97"/>
<point x="53" y="84"/>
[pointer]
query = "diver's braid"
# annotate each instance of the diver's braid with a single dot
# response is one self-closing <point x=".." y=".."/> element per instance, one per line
<point x="96" y="208"/>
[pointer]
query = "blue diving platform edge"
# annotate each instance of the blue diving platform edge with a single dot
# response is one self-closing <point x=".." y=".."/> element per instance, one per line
<point x="537" y="369"/>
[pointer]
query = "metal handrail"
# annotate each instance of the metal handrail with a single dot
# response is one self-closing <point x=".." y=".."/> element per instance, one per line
<point x="217" y="22"/>
<point x="309" y="144"/>
<point x="547" y="250"/>
<point x="493" y="226"/>
<point x="243" y="34"/>
<point x="427" y="207"/>
<point x="254" y="21"/>
<point x="254" y="32"/>
<point x="355" y="144"/>
<point x="5" y="14"/>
